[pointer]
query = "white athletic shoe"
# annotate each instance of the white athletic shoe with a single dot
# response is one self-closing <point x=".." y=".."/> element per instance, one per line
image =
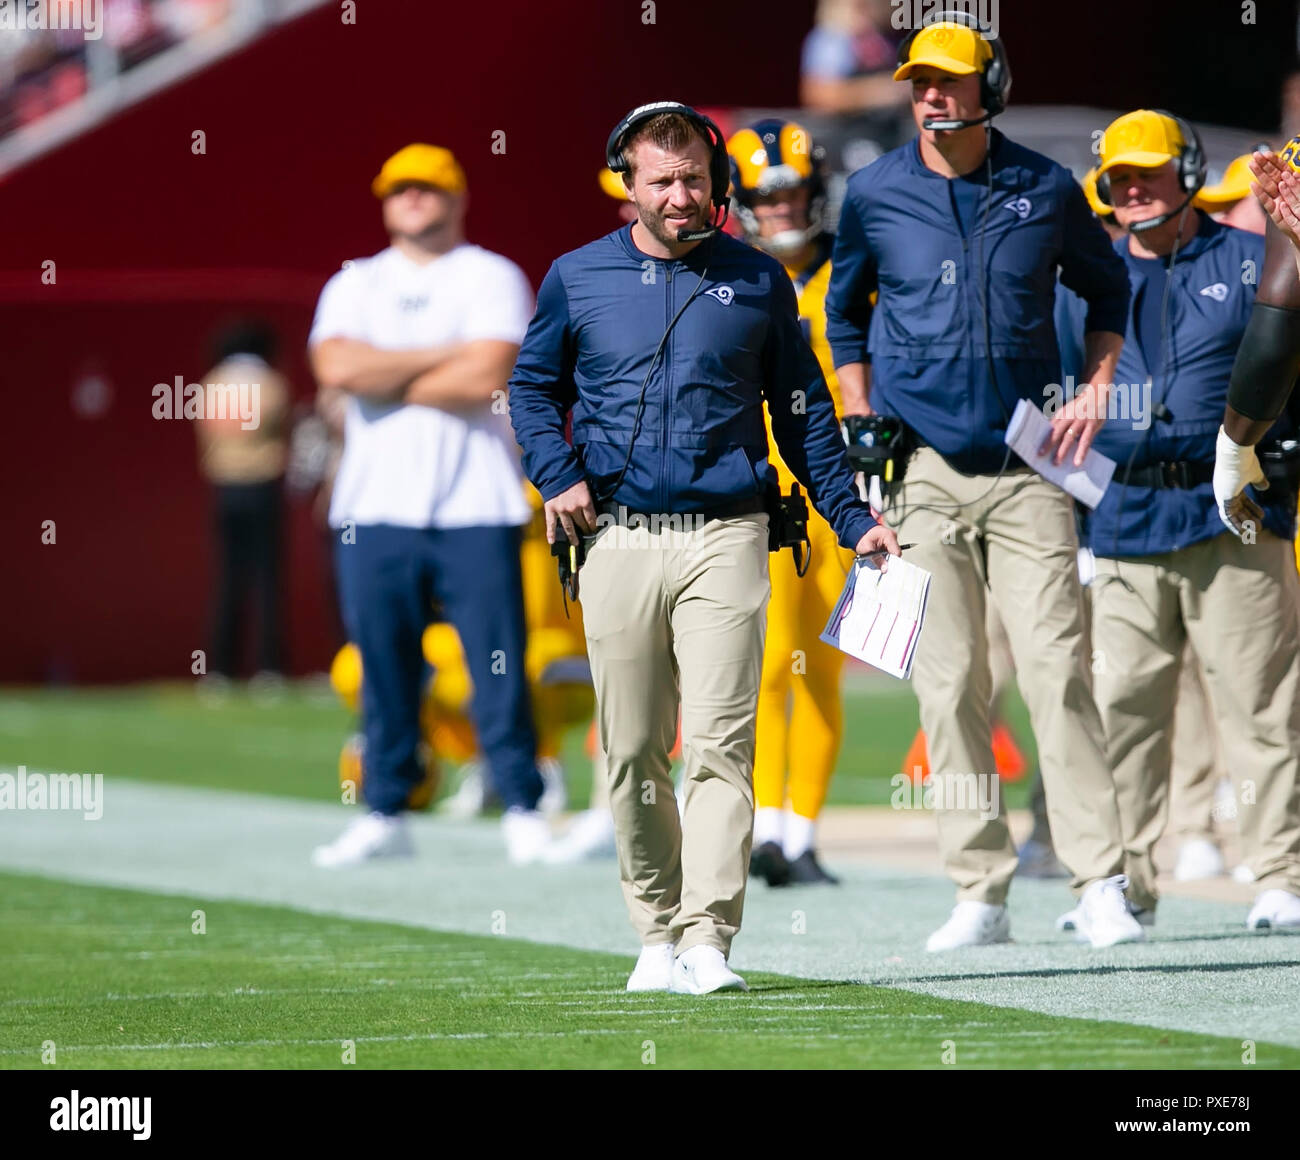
<point x="590" y="835"/>
<point x="1198" y="859"/>
<point x="1274" y="908"/>
<point x="654" y="968"/>
<point x="527" y="835"/>
<point x="703" y="970"/>
<point x="1070" y="919"/>
<point x="1104" y="917"/>
<point x="471" y="795"/>
<point x="971" y="924"/>
<point x="371" y="836"/>
<point x="554" y="794"/>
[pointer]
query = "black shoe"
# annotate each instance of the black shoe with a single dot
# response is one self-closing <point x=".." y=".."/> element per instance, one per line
<point x="805" y="870"/>
<point x="768" y="862"/>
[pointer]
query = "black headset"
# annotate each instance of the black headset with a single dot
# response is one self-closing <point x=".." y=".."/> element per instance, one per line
<point x="995" y="79"/>
<point x="719" y="160"/>
<point x="1191" y="160"/>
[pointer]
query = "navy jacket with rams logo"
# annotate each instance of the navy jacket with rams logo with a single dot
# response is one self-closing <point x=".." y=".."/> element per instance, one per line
<point x="701" y="442"/>
<point x="1204" y="303"/>
<point x="940" y="279"/>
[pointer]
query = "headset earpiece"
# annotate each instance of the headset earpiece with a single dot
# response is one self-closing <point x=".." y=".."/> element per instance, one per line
<point x="1192" y="162"/>
<point x="1103" y="189"/>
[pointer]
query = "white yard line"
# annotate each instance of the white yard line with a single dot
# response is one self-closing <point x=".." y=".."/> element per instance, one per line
<point x="1203" y="972"/>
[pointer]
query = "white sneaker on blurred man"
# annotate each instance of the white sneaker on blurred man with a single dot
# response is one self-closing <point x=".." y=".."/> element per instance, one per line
<point x="527" y="834"/>
<point x="1273" y="909"/>
<point x="1104" y="917"/>
<point x="1198" y="859"/>
<point x="590" y="835"/>
<point x="654" y="968"/>
<point x="971" y="924"/>
<point x="367" y="837"/>
<point x="555" y="795"/>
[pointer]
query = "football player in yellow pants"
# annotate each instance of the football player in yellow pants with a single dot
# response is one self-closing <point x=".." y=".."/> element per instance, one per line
<point x="779" y="190"/>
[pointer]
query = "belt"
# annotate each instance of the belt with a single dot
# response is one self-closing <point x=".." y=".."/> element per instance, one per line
<point x="1181" y="473"/>
<point x="741" y="507"/>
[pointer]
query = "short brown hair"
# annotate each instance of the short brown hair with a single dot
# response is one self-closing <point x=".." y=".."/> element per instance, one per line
<point x="668" y="131"/>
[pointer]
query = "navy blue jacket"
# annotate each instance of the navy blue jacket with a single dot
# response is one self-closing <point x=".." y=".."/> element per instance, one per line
<point x="702" y="443"/>
<point x="930" y="361"/>
<point x="1210" y="295"/>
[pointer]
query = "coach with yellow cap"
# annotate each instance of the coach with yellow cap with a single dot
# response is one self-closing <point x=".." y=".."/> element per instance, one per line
<point x="429" y="503"/>
<point x="1168" y="571"/>
<point x="963" y="233"/>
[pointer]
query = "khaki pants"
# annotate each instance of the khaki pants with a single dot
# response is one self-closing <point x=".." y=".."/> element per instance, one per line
<point x="1011" y="540"/>
<point x="1236" y="603"/>
<point x="667" y="614"/>
<point x="1194" y="775"/>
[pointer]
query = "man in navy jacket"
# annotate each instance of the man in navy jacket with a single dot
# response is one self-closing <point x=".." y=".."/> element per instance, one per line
<point x="1168" y="570"/>
<point x="961" y="234"/>
<point x="664" y="339"/>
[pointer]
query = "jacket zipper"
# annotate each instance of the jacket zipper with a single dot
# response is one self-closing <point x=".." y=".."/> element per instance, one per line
<point x="667" y="410"/>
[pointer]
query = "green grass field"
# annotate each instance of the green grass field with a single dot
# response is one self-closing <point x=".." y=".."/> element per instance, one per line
<point x="119" y="979"/>
<point x="99" y="954"/>
<point x="290" y="746"/>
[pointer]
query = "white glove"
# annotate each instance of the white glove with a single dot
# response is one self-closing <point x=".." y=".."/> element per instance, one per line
<point x="1235" y="467"/>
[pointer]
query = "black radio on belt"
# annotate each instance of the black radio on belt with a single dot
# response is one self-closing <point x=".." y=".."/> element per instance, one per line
<point x="1280" y="463"/>
<point x="879" y="445"/>
<point x="787" y="525"/>
<point x="570" y="558"/>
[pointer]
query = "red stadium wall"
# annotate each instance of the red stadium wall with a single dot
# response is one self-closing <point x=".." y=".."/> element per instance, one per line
<point x="153" y="246"/>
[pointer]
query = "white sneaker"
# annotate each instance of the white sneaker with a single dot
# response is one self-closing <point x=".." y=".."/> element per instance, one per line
<point x="703" y="970"/>
<point x="1103" y="916"/>
<point x="590" y="835"/>
<point x="527" y="835"/>
<point x="471" y="795"/>
<point x="1198" y="859"/>
<point x="971" y="924"/>
<point x="371" y="836"/>
<point x="554" y="794"/>
<point x="1274" y="908"/>
<point x="1243" y="874"/>
<point x="1070" y="919"/>
<point x="654" y="968"/>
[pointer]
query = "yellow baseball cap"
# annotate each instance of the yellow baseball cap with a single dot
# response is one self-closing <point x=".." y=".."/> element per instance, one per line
<point x="1143" y="139"/>
<point x="612" y="184"/>
<point x="1089" y="183"/>
<point x="948" y="46"/>
<point x="1234" y="186"/>
<point x="427" y="164"/>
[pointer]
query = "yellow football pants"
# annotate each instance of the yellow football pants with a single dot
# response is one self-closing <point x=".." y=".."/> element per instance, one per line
<point x="800" y="715"/>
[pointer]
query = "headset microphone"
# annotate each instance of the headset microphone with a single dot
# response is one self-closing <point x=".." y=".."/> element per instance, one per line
<point x="1160" y="219"/>
<point x="943" y="126"/>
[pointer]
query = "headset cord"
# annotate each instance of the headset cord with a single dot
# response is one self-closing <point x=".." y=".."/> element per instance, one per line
<point x="640" y="403"/>
<point x="1167" y="354"/>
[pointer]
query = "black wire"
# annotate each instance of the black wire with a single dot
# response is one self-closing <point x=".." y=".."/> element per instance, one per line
<point x="640" y="403"/>
<point x="1166" y="353"/>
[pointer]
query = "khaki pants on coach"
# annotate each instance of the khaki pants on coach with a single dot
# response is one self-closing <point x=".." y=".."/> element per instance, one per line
<point x="1236" y="603"/>
<point x="1010" y="540"/>
<point x="669" y="614"/>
